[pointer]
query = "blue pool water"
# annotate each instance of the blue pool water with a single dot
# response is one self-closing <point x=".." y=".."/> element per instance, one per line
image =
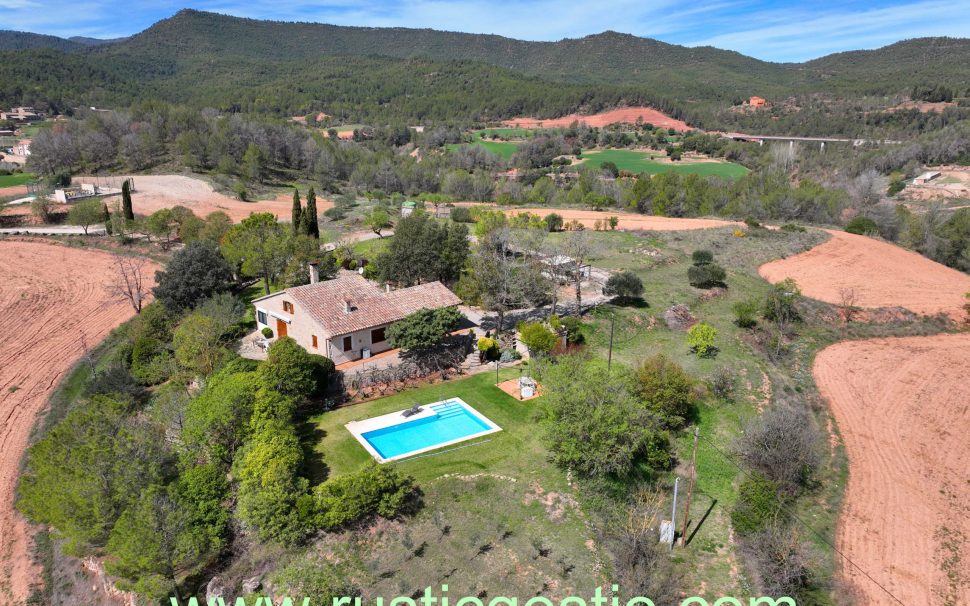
<point x="452" y="422"/>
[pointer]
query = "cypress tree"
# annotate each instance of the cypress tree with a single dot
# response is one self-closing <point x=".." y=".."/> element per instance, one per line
<point x="106" y="217"/>
<point x="126" y="209"/>
<point x="297" y="215"/>
<point x="310" y="225"/>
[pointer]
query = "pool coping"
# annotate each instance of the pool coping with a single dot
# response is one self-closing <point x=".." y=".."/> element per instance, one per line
<point x="359" y="428"/>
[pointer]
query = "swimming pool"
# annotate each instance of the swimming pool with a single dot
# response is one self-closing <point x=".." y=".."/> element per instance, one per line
<point x="393" y="436"/>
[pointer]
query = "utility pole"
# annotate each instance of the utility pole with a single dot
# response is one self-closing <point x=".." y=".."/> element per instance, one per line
<point x="609" y="359"/>
<point x="496" y="372"/>
<point x="690" y="486"/>
<point x="673" y="515"/>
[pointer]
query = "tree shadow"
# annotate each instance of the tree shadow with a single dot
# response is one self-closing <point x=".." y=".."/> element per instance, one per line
<point x="314" y="467"/>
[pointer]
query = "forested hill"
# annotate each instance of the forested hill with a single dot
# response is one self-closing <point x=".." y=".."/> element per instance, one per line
<point x="206" y="59"/>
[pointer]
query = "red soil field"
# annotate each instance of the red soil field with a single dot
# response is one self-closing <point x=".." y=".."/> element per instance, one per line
<point x="622" y="115"/>
<point x="628" y="221"/>
<point x="903" y="408"/>
<point x="52" y="304"/>
<point x="880" y="274"/>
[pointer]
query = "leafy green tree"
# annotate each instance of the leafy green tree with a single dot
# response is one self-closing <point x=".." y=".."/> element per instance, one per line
<point x="296" y="215"/>
<point x="666" y="388"/>
<point x="424" y="329"/>
<point x="105" y="218"/>
<point x="259" y="246"/>
<point x="127" y="212"/>
<point x="596" y="424"/>
<point x="217" y="421"/>
<point x="86" y="213"/>
<point x="310" y="224"/>
<point x="194" y="274"/>
<point x="80" y="476"/>
<point x="624" y="285"/>
<point x="273" y="501"/>
<point x="701" y="338"/>
<point x="293" y="371"/>
<point x="862" y="226"/>
<point x="377" y="220"/>
<point x="198" y="345"/>
<point x="610" y="168"/>
<point x="424" y="250"/>
<point x="253" y="163"/>
<point x="746" y="313"/>
<point x="151" y="361"/>
<point x="781" y="303"/>
<point x="375" y="490"/>
<point x="554" y="222"/>
<point x="538" y="338"/>
<point x="161" y="224"/>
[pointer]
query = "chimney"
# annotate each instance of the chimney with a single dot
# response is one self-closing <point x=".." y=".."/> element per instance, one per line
<point x="314" y="272"/>
<point x="347" y="306"/>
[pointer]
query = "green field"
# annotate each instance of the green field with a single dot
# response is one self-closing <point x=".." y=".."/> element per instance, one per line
<point x="509" y="133"/>
<point x="502" y="148"/>
<point x="640" y="162"/>
<point x="15" y="179"/>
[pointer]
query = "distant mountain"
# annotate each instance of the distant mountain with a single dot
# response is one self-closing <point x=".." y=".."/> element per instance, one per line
<point x="11" y="40"/>
<point x="207" y="59"/>
<point x="85" y="41"/>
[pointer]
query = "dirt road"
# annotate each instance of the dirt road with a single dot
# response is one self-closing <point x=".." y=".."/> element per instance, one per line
<point x="903" y="409"/>
<point x="52" y="302"/>
<point x="628" y="221"/>
<point x="880" y="274"/>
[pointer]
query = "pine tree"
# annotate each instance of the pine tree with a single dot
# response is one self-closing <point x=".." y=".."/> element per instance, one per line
<point x="297" y="216"/>
<point x="309" y="223"/>
<point x="126" y="209"/>
<point x="106" y="217"/>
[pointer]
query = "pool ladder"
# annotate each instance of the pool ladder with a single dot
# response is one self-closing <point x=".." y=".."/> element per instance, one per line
<point x="448" y="410"/>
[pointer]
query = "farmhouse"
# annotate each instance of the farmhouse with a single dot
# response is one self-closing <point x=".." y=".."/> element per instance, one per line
<point x="22" y="114"/>
<point x="345" y="318"/>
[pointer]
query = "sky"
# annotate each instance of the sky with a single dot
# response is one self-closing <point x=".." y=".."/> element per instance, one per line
<point x="772" y="30"/>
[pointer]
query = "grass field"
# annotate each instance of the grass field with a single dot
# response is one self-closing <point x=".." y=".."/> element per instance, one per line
<point x="502" y="148"/>
<point x="15" y="179"/>
<point x="640" y="162"/>
<point x="509" y="133"/>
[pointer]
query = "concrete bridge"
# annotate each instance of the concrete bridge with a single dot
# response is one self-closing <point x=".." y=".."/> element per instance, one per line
<point x="820" y="140"/>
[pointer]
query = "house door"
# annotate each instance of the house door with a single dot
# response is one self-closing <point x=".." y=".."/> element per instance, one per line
<point x="280" y="328"/>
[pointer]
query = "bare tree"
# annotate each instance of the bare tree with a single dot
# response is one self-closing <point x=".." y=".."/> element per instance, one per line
<point x="868" y="188"/>
<point x="128" y="281"/>
<point x="783" y="444"/>
<point x="847" y="304"/>
<point x="578" y="247"/>
<point x="502" y="276"/>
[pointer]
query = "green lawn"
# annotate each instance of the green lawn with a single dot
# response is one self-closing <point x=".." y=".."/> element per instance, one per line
<point x="516" y="450"/>
<point x="502" y="148"/>
<point x="15" y="179"/>
<point x="640" y="162"/>
<point x="508" y="133"/>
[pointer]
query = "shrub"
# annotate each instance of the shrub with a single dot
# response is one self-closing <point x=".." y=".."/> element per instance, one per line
<point x="375" y="490"/>
<point x="489" y="348"/>
<point x="461" y="214"/>
<point x="624" y="285"/>
<point x="745" y="313"/>
<point x="293" y="371"/>
<point x="722" y="382"/>
<point x="537" y="337"/>
<point x="792" y="228"/>
<point x="335" y="213"/>
<point x="151" y="361"/>
<point x="780" y="302"/>
<point x="700" y="339"/>
<point x="783" y="445"/>
<point x="667" y="389"/>
<point x="702" y="257"/>
<point x="863" y="226"/>
<point x="554" y="222"/>
<point x="706" y="276"/>
<point x="758" y="506"/>
<point x="267" y="332"/>
<point x="574" y="330"/>
<point x="752" y="222"/>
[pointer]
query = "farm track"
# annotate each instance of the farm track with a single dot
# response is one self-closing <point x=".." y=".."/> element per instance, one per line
<point x="902" y="406"/>
<point x="53" y="306"/>
<point x="628" y="221"/>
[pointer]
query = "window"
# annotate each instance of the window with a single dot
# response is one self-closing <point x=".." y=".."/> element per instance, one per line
<point x="348" y="343"/>
<point x="287" y="307"/>
<point x="377" y="335"/>
<point x="261" y="317"/>
<point x="314" y="339"/>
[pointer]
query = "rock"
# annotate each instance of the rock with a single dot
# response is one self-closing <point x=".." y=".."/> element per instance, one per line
<point x="215" y="588"/>
<point x="251" y="584"/>
<point x="679" y="317"/>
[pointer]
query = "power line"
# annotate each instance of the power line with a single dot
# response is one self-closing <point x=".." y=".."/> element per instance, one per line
<point x="795" y="517"/>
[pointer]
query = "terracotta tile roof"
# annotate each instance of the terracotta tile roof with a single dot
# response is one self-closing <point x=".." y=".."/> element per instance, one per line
<point x="370" y="306"/>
